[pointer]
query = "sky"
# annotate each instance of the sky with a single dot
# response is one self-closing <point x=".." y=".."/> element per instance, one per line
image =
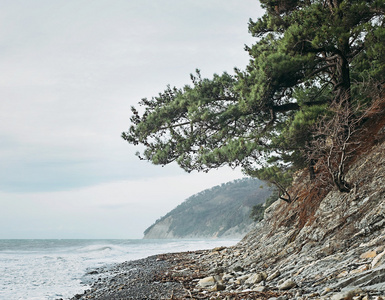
<point x="70" y="71"/>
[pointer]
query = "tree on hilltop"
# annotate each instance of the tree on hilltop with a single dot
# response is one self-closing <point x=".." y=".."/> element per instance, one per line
<point x="308" y="54"/>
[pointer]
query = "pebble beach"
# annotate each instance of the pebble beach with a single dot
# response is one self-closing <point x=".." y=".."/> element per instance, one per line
<point x="139" y="279"/>
<point x="165" y="276"/>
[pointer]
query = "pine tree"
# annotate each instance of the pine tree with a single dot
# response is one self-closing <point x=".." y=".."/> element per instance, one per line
<point x="308" y="54"/>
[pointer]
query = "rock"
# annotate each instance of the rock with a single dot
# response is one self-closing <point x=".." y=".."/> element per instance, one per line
<point x="218" y="287"/>
<point x="232" y="280"/>
<point x="274" y="275"/>
<point x="217" y="249"/>
<point x="264" y="275"/>
<point x="369" y="254"/>
<point x="181" y="273"/>
<point x="260" y="289"/>
<point x="327" y="290"/>
<point x="313" y="295"/>
<point x="218" y="270"/>
<point x="217" y="278"/>
<point x="343" y="274"/>
<point x="287" y="285"/>
<point x="237" y="254"/>
<point x="298" y="294"/>
<point x="227" y="277"/>
<point x="206" y="282"/>
<point x="238" y="268"/>
<point x="254" y="279"/>
<point x="378" y="259"/>
<point x="242" y="279"/>
<point x="93" y="273"/>
<point x="347" y="294"/>
<point x="359" y="269"/>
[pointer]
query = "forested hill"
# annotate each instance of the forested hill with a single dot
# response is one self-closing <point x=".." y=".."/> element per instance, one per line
<point x="222" y="211"/>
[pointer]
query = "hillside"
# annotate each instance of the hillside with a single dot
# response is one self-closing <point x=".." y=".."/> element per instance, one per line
<point x="320" y="246"/>
<point x="222" y="211"/>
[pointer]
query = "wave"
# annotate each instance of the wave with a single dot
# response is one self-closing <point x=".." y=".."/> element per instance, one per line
<point x="96" y="248"/>
<point x="101" y="248"/>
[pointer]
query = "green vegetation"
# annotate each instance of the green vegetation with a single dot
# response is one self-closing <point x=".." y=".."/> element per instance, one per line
<point x="311" y="58"/>
<point x="216" y="210"/>
<point x="258" y="210"/>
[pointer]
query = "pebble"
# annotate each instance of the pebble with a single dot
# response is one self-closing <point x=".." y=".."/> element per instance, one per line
<point x="347" y="294"/>
<point x="133" y="280"/>
<point x="273" y="275"/>
<point x="254" y="279"/>
<point x="377" y="259"/>
<point x="287" y="285"/>
<point x="205" y="282"/>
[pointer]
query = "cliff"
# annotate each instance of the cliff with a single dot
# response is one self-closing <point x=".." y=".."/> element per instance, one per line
<point x="320" y="246"/>
<point x="222" y="211"/>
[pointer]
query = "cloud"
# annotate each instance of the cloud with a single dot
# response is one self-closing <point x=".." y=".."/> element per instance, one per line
<point x="122" y="209"/>
<point x="70" y="70"/>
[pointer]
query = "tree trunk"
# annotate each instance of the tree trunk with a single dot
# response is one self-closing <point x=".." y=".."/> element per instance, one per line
<point x="343" y="71"/>
<point x="342" y="185"/>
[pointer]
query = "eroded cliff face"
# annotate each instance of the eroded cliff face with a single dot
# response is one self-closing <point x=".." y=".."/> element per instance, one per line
<point x="341" y="245"/>
<point x="161" y="231"/>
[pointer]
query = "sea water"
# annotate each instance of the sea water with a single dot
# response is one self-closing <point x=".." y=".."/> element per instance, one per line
<point x="53" y="269"/>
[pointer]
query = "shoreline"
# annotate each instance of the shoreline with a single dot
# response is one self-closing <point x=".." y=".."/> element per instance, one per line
<point x="223" y="273"/>
<point x="163" y="276"/>
<point x="136" y="279"/>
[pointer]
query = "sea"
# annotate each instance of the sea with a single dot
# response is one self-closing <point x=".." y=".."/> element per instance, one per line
<point x="54" y="269"/>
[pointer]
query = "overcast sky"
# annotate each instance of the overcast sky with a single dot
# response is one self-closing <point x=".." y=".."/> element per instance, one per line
<point x="70" y="70"/>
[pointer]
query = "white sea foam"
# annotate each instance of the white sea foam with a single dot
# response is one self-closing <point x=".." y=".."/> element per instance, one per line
<point x="53" y="269"/>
